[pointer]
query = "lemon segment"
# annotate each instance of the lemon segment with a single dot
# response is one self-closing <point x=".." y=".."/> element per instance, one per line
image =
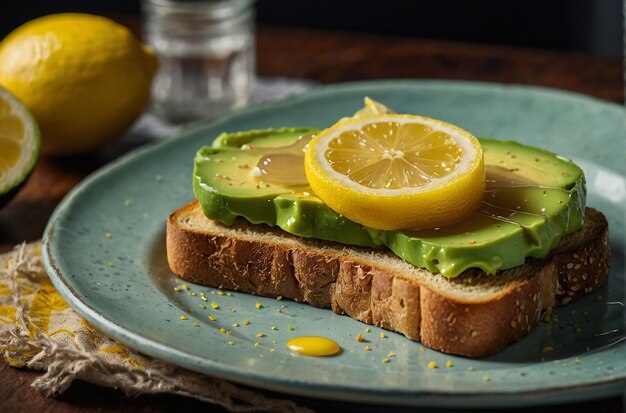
<point x="19" y="143"/>
<point x="391" y="172"/>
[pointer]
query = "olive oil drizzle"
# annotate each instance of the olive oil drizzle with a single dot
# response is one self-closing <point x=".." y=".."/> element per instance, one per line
<point x="283" y="165"/>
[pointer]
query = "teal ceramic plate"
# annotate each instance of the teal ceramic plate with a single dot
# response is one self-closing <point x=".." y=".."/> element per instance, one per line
<point x="104" y="250"/>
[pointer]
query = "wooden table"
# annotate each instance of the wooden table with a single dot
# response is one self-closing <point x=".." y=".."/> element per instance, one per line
<point x="326" y="57"/>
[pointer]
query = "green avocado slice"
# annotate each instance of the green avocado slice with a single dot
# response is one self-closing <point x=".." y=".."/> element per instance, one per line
<point x="533" y="199"/>
<point x="224" y="186"/>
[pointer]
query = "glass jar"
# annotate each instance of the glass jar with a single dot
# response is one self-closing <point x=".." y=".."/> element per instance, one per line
<point x="206" y="56"/>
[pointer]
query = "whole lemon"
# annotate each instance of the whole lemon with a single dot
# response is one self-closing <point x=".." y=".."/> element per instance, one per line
<point x="84" y="77"/>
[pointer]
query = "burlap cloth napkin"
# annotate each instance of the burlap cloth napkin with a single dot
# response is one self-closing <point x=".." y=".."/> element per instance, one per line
<point x="39" y="330"/>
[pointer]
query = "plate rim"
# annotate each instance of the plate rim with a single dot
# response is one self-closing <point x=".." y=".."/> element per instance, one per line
<point x="602" y="388"/>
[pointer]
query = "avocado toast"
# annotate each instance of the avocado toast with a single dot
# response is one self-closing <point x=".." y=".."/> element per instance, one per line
<point x="468" y="288"/>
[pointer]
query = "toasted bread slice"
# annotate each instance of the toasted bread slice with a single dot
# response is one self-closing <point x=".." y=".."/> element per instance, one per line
<point x="474" y="314"/>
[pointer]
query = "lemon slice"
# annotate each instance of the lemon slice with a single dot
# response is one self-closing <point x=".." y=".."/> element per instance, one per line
<point x="391" y="172"/>
<point x="19" y="144"/>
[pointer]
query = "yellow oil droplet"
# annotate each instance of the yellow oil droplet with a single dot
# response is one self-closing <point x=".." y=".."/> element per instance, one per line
<point x="313" y="346"/>
<point x="283" y="165"/>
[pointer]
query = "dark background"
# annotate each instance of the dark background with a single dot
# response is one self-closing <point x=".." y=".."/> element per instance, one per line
<point x="586" y="26"/>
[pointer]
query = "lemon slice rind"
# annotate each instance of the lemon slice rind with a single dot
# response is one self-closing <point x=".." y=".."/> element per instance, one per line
<point x="438" y="202"/>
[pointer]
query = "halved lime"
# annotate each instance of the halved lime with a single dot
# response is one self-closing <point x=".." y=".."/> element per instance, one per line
<point x="19" y="145"/>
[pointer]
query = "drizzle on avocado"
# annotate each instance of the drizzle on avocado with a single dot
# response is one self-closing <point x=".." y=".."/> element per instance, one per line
<point x="533" y="198"/>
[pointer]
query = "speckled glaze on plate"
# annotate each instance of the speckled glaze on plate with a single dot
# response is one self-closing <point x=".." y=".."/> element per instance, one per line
<point x="104" y="250"/>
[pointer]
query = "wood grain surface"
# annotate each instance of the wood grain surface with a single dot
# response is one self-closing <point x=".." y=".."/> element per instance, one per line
<point x="325" y="57"/>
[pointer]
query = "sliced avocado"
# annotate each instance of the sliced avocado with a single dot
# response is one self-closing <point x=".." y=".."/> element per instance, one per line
<point x="225" y="187"/>
<point x="510" y="159"/>
<point x="496" y="236"/>
<point x="262" y="138"/>
<point x="533" y="198"/>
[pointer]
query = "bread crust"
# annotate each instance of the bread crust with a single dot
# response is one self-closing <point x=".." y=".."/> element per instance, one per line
<point x="378" y="288"/>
